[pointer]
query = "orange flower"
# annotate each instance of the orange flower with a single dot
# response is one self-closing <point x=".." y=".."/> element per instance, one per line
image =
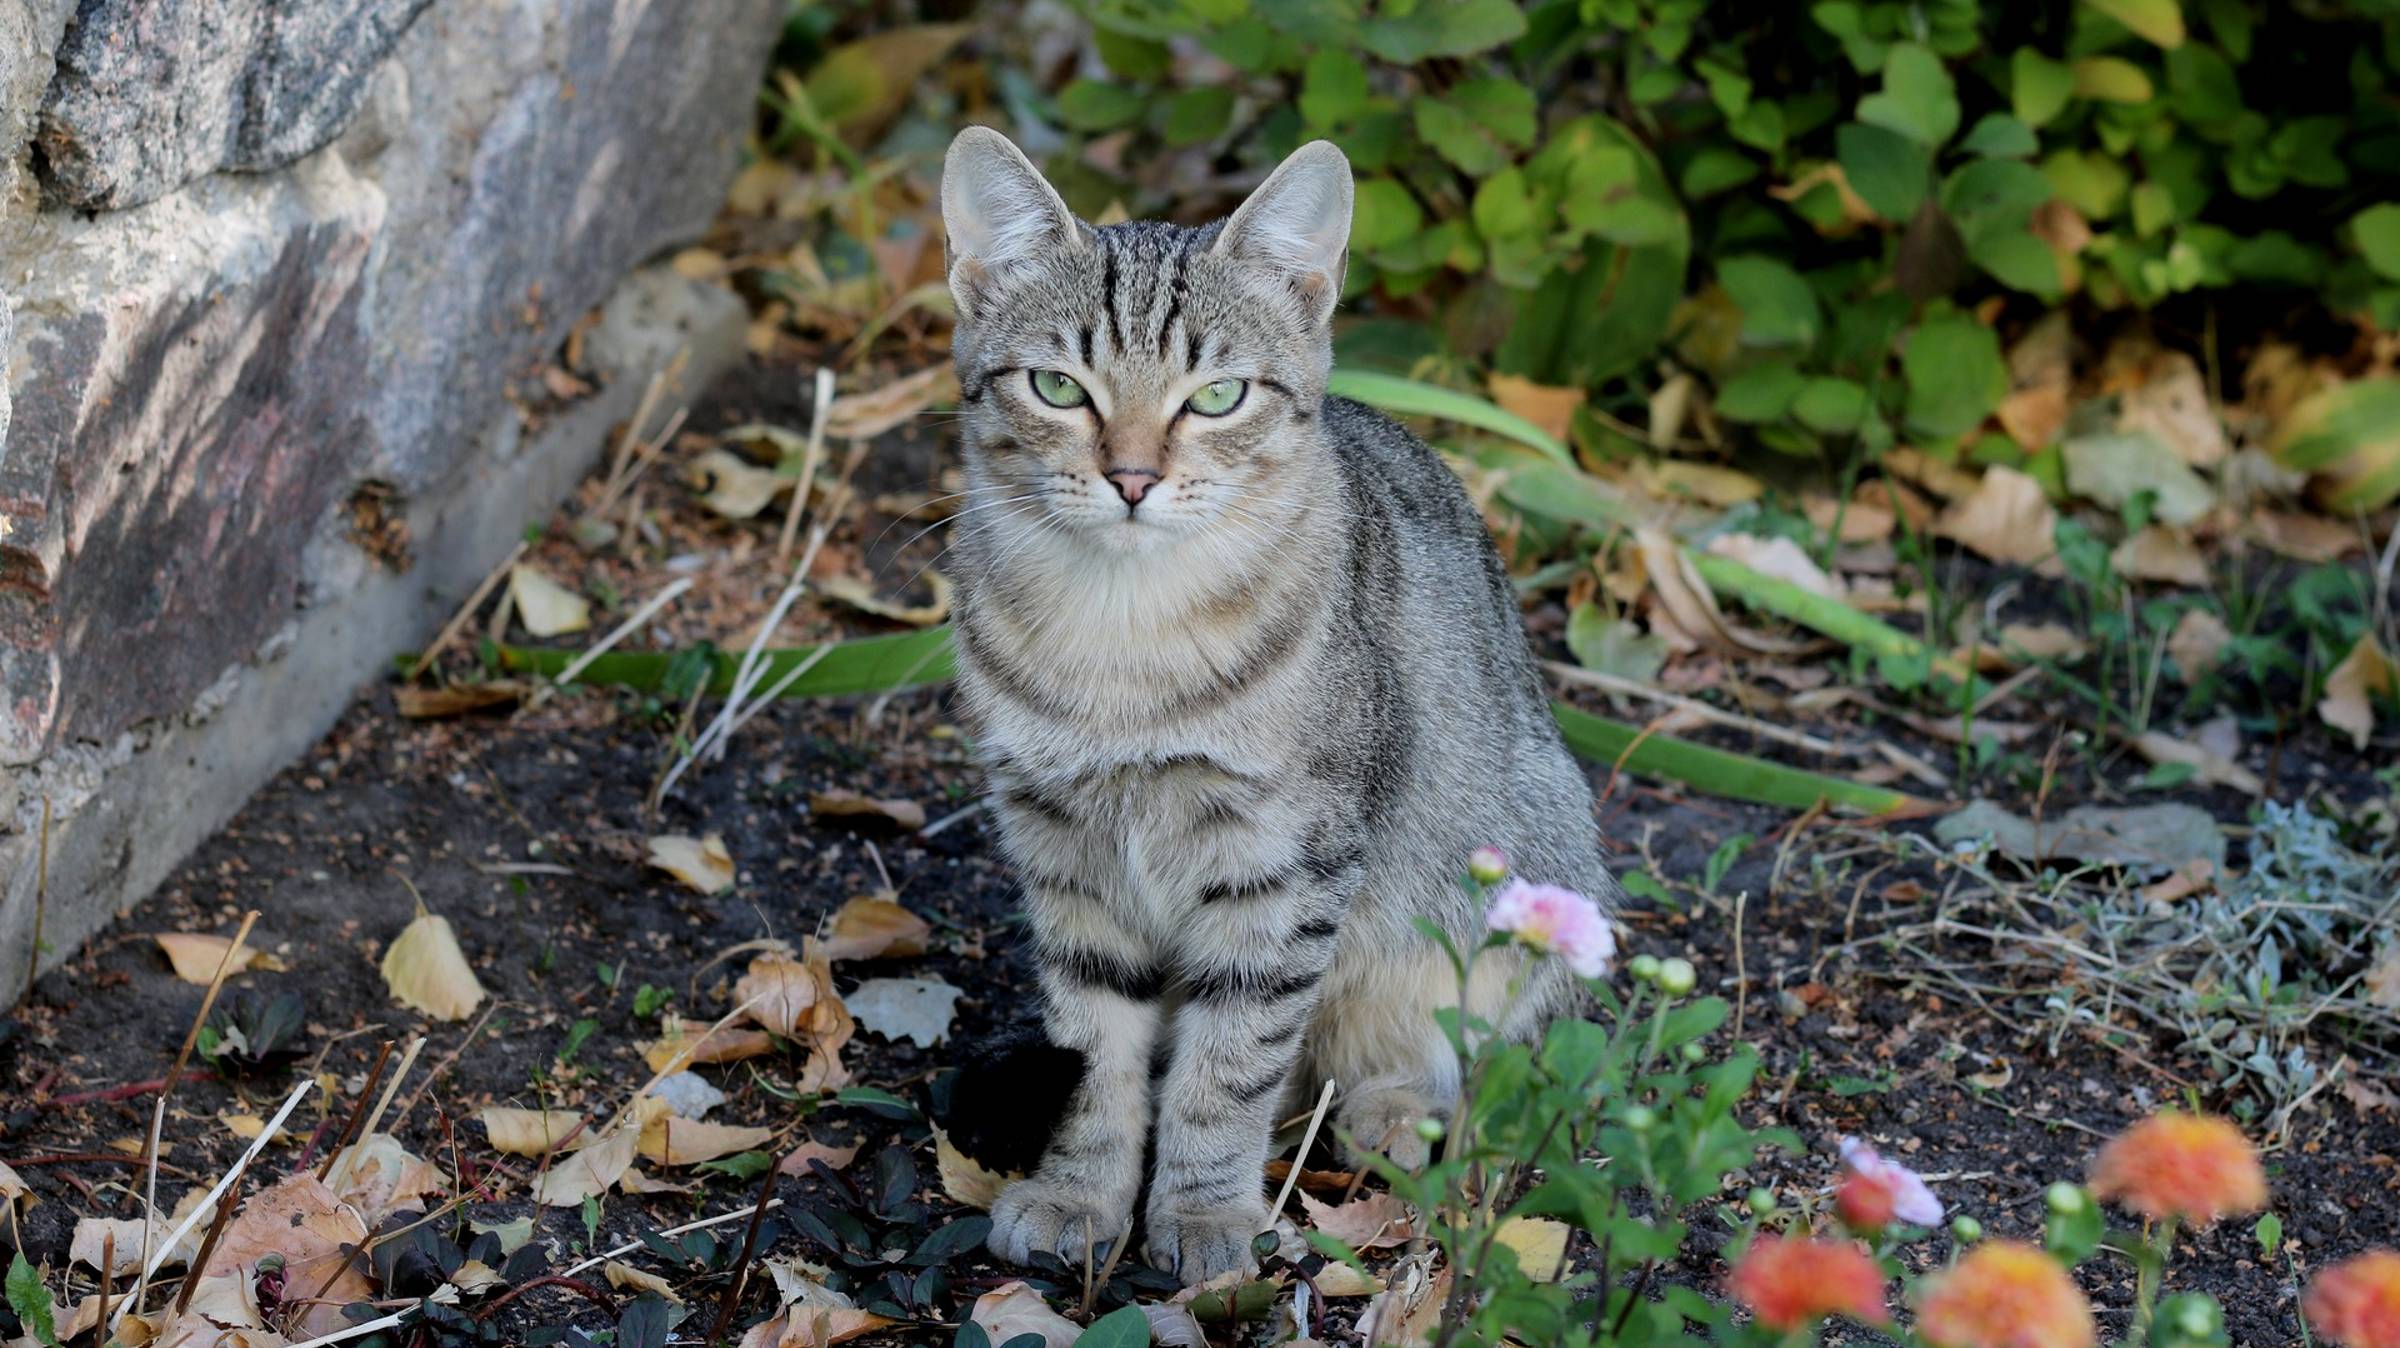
<point x="2356" y="1303"/>
<point x="2190" y="1166"/>
<point x="1793" y="1282"/>
<point x="2005" y="1295"/>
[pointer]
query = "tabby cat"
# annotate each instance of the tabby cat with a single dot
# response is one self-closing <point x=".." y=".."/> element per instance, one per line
<point x="1249" y="683"/>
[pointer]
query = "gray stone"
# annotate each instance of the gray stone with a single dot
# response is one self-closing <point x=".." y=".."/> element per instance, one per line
<point x="151" y="94"/>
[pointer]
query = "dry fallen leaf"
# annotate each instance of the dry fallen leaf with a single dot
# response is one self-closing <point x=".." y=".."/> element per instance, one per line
<point x="690" y="1041"/>
<point x="859" y="595"/>
<point x="2197" y="643"/>
<point x="732" y="486"/>
<point x="1707" y="483"/>
<point x="808" y="1326"/>
<point x="2161" y="553"/>
<point x="2006" y="518"/>
<point x="964" y="1178"/>
<point x="1367" y="1222"/>
<point x="426" y="971"/>
<point x="915" y="1009"/>
<point x="1861" y="521"/>
<point x="842" y="803"/>
<point x="2193" y="877"/>
<point x="1691" y="605"/>
<point x="380" y="1177"/>
<point x="2304" y="538"/>
<point x="89" y="1245"/>
<point x="528" y="1132"/>
<point x="789" y="997"/>
<point x="624" y="1276"/>
<point x="835" y="1158"/>
<point x="863" y="416"/>
<point x="1013" y="1308"/>
<point x="1778" y="558"/>
<point x="589" y="1171"/>
<point x="420" y="703"/>
<point x="2382" y="983"/>
<point x="1539" y="1243"/>
<point x="2207" y="767"/>
<point x="1545" y="405"/>
<point x="1404" y="1314"/>
<point x="547" y="608"/>
<point x="871" y="926"/>
<point x="668" y="1140"/>
<point x="2351" y="690"/>
<point x="635" y="1180"/>
<point x="1341" y="1280"/>
<point x="2172" y="404"/>
<point x="195" y="956"/>
<point x="316" y="1234"/>
<point x="704" y="864"/>
<point x="226" y="1301"/>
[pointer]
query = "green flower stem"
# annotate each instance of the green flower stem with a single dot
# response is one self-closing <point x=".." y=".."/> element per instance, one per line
<point x="2150" y="1267"/>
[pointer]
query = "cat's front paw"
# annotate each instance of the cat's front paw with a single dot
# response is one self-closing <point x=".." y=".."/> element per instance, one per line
<point x="1051" y="1217"/>
<point x="1202" y="1243"/>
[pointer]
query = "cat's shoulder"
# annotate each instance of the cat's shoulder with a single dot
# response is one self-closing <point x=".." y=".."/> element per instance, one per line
<point x="1387" y="458"/>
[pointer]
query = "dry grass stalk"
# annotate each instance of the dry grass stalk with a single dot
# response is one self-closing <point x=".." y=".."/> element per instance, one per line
<point x="466" y="613"/>
<point x="158" y="1112"/>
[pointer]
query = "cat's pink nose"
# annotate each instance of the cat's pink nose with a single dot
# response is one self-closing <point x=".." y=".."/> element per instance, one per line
<point x="1132" y="483"/>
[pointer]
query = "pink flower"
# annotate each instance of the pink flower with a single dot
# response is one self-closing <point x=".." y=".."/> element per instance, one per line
<point x="1876" y="1190"/>
<point x="1555" y="921"/>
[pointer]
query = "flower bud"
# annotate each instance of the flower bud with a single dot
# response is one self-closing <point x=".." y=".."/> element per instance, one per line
<point x="1641" y="1118"/>
<point x="1643" y="967"/>
<point x="1489" y="865"/>
<point x="1677" y="976"/>
<point x="1761" y="1202"/>
<point x="1693" y="1052"/>
<point x="2064" y="1199"/>
<point x="1430" y="1129"/>
<point x="2198" y="1317"/>
<point x="1966" y="1229"/>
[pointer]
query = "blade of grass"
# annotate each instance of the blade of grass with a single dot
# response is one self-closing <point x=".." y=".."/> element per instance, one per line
<point x="865" y="665"/>
<point x="1901" y="658"/>
<point x="1734" y="776"/>
<point x="1409" y="398"/>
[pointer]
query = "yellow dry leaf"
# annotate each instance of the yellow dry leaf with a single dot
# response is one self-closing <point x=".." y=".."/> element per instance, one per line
<point x="2162" y="553"/>
<point x="965" y="1179"/>
<point x="2351" y="690"/>
<point x="689" y="1042"/>
<point x="733" y="487"/>
<point x="1405" y="1314"/>
<point x="2006" y="518"/>
<point x="1548" y="406"/>
<point x="1680" y="479"/>
<point x="547" y="608"/>
<point x="2172" y="403"/>
<point x="789" y="997"/>
<point x="858" y="594"/>
<point x="248" y="1126"/>
<point x="814" y="1326"/>
<point x="12" y="1187"/>
<point x="195" y="956"/>
<point x="624" y="1277"/>
<point x="379" y="1177"/>
<point x="1367" y="1222"/>
<point x="1861" y="521"/>
<point x="2207" y="767"/>
<point x="843" y="803"/>
<point x="2198" y="643"/>
<point x="1943" y="479"/>
<point x="590" y="1171"/>
<point x="1690" y="605"/>
<point x="528" y="1132"/>
<point x="1779" y="558"/>
<point x="871" y="926"/>
<point x="1539" y="1243"/>
<point x="1341" y="1280"/>
<point x="426" y="971"/>
<point x="669" y="1140"/>
<point x="2304" y="538"/>
<point x="703" y="864"/>
<point x="863" y="416"/>
<point x="835" y="1158"/>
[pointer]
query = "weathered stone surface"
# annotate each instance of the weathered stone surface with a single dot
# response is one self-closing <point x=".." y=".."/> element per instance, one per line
<point x="29" y="34"/>
<point x="151" y="94"/>
<point x="199" y="384"/>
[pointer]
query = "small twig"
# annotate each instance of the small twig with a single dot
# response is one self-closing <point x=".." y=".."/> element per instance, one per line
<point x="158" y="1113"/>
<point x="408" y="1059"/>
<point x="741" y="1265"/>
<point x="632" y="624"/>
<point x="575" y="1285"/>
<point x="358" y="1111"/>
<point x="1592" y="678"/>
<point x="809" y="456"/>
<point x="157" y="1253"/>
<point x="208" y="1247"/>
<point x="466" y="613"/>
<point x="632" y="1245"/>
<point x="1291" y="1180"/>
<point x="448" y="1060"/>
<point x="108" y="1272"/>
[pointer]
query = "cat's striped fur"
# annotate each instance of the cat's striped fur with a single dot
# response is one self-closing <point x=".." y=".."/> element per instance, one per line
<point x="1242" y="729"/>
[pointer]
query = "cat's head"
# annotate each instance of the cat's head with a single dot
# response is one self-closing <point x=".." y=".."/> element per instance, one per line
<point x="1142" y="383"/>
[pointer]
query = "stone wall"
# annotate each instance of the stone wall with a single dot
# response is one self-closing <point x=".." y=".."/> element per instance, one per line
<point x="258" y="257"/>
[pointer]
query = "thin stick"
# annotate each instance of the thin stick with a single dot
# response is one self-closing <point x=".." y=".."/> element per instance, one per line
<point x="741" y="1265"/>
<point x="158" y="1113"/>
<point x="627" y="628"/>
<point x="208" y="1247"/>
<point x="809" y="456"/>
<point x="408" y="1059"/>
<point x="1613" y="683"/>
<point x="41" y="903"/>
<point x="448" y="1060"/>
<point x="391" y="1321"/>
<point x="158" y="1254"/>
<point x="358" y="1111"/>
<point x="630" y="1246"/>
<point x="108" y="1267"/>
<point x="466" y="612"/>
<point x="1291" y="1180"/>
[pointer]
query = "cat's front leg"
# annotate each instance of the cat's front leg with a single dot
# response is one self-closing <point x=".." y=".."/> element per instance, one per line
<point x="1100" y="997"/>
<point x="1252" y="981"/>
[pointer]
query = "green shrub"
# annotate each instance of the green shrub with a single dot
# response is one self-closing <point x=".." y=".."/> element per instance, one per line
<point x="1782" y="196"/>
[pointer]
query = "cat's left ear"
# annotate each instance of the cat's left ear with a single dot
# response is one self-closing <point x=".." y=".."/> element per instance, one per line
<point x="1298" y="222"/>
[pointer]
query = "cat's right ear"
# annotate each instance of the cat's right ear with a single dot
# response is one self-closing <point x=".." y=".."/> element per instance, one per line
<point x="998" y="211"/>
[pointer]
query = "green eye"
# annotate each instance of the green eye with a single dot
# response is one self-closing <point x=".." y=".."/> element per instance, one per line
<point x="1216" y="399"/>
<point x="1058" y="390"/>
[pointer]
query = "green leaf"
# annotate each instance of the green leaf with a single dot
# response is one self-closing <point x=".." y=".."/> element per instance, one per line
<point x="1089" y="105"/>
<point x="2351" y="434"/>
<point x="1333" y="88"/>
<point x="1613" y="645"/>
<point x="1778" y="308"/>
<point x="2269" y="1234"/>
<point x="1999" y="136"/>
<point x="1890" y="172"/>
<point x="863" y="665"/>
<point x="1504" y="206"/>
<point x="2202" y="87"/>
<point x="1382" y="213"/>
<point x="1442" y="28"/>
<point x="1919" y="99"/>
<point x="1733" y="776"/>
<point x="1834" y="406"/>
<point x="2112" y="79"/>
<point x="1409" y="398"/>
<point x="1954" y="373"/>
<point x="2377" y="230"/>
<point x="1135" y="58"/>
<point x="2038" y="86"/>
<point x="2091" y="183"/>
<point x="1479" y="125"/>
<point x="1714" y="169"/>
<point x="2160" y="21"/>
<point x="1763" y="392"/>
<point x="1198" y="115"/>
<point x="31" y="1300"/>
